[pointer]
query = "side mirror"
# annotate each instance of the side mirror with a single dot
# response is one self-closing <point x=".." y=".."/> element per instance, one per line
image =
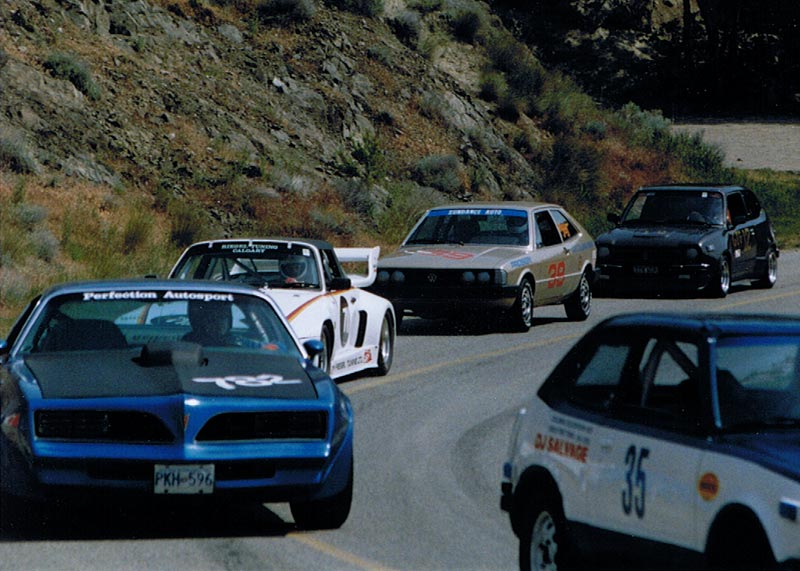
<point x="613" y="217"/>
<point x="313" y="347"/>
<point x="4" y="349"/>
<point x="340" y="283"/>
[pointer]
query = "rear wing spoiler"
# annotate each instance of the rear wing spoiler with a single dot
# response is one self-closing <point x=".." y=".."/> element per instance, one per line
<point x="368" y="256"/>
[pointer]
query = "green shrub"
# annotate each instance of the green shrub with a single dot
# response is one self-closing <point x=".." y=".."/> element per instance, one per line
<point x="493" y="86"/>
<point x="405" y="204"/>
<point x="186" y="223"/>
<point x="442" y="172"/>
<point x="365" y="7"/>
<point x="137" y="230"/>
<point x="407" y="26"/>
<point x="297" y="10"/>
<point x="68" y="67"/>
<point x="466" y="25"/>
<point x="15" y="154"/>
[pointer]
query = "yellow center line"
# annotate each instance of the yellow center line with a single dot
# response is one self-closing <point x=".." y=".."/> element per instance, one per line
<point x="480" y="356"/>
<point x="760" y="299"/>
<point x="339" y="554"/>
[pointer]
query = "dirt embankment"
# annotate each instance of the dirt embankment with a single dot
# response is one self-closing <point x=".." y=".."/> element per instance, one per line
<point x="752" y="144"/>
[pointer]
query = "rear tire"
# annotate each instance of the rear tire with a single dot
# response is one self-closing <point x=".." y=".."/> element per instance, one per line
<point x="386" y="346"/>
<point x="770" y="274"/>
<point x="579" y="305"/>
<point x="327" y="513"/>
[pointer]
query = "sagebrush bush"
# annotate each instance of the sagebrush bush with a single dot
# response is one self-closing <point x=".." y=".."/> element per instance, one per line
<point x="15" y="154"/>
<point x="442" y="172"/>
<point x="405" y="204"/>
<point x="45" y="244"/>
<point x="29" y="215"/>
<point x="70" y="68"/>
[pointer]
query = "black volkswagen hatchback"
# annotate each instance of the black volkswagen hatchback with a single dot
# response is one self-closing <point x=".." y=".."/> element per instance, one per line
<point x="688" y="237"/>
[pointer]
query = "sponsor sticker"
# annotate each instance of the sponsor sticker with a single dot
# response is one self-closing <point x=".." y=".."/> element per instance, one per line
<point x="263" y="380"/>
<point x="708" y="486"/>
<point x="118" y="295"/>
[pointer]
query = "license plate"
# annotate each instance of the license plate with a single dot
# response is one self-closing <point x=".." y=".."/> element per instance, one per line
<point x="183" y="479"/>
<point x="645" y="270"/>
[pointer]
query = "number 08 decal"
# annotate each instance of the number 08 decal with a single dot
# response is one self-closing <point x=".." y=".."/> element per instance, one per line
<point x="633" y="492"/>
<point x="556" y="273"/>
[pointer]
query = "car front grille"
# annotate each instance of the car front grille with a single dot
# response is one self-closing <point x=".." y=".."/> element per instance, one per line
<point x="285" y="425"/>
<point x="108" y="426"/>
<point x="656" y="256"/>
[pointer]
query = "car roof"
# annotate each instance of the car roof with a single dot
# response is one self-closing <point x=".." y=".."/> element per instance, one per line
<point x="526" y="204"/>
<point x="713" y="324"/>
<point x="215" y="244"/>
<point x="693" y="187"/>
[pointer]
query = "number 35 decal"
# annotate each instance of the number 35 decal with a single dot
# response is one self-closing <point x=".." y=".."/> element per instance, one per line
<point x="633" y="494"/>
<point x="556" y="273"/>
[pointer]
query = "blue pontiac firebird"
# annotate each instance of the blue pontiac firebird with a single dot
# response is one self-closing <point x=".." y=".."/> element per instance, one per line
<point x="154" y="389"/>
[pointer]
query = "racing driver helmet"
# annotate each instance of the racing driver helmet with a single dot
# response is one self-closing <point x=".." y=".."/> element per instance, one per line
<point x="294" y="268"/>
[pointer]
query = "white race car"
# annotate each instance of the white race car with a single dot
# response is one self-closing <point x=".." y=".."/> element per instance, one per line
<point x="320" y="300"/>
<point x="663" y="441"/>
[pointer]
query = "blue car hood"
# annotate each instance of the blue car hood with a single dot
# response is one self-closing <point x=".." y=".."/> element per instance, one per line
<point x="132" y="373"/>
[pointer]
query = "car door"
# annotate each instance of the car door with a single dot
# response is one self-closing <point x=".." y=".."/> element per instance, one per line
<point x="573" y="262"/>
<point x="551" y="268"/>
<point x="347" y="306"/>
<point x="742" y="242"/>
<point x="643" y="481"/>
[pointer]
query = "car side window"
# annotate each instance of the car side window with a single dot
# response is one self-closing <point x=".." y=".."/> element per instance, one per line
<point x="565" y="227"/>
<point x="752" y="203"/>
<point x="736" y="208"/>
<point x="670" y="384"/>
<point x="601" y="377"/>
<point x="547" y="234"/>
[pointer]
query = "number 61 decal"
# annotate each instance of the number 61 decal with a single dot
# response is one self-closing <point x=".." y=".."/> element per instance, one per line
<point x="633" y="494"/>
<point x="556" y="273"/>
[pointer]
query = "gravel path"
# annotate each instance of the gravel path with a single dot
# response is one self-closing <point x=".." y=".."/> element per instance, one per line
<point x="753" y="144"/>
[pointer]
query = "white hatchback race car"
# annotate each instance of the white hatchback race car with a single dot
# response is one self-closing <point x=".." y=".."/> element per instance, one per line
<point x="309" y="284"/>
<point x="663" y="441"/>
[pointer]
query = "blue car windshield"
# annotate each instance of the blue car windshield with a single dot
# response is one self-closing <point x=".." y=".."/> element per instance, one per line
<point x="473" y="226"/>
<point x="678" y="207"/>
<point x="758" y="382"/>
<point x="108" y="320"/>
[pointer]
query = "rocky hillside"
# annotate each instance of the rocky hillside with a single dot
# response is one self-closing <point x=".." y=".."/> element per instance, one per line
<point x="224" y="104"/>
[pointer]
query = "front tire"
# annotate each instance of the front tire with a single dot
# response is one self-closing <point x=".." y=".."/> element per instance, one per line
<point x="579" y="305"/>
<point x="521" y="314"/>
<point x="324" y="357"/>
<point x="543" y="537"/>
<point x="386" y="345"/>
<point x="722" y="284"/>
<point x="327" y="513"/>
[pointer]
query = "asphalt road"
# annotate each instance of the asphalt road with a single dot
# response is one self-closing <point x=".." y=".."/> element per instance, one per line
<point x="430" y="441"/>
